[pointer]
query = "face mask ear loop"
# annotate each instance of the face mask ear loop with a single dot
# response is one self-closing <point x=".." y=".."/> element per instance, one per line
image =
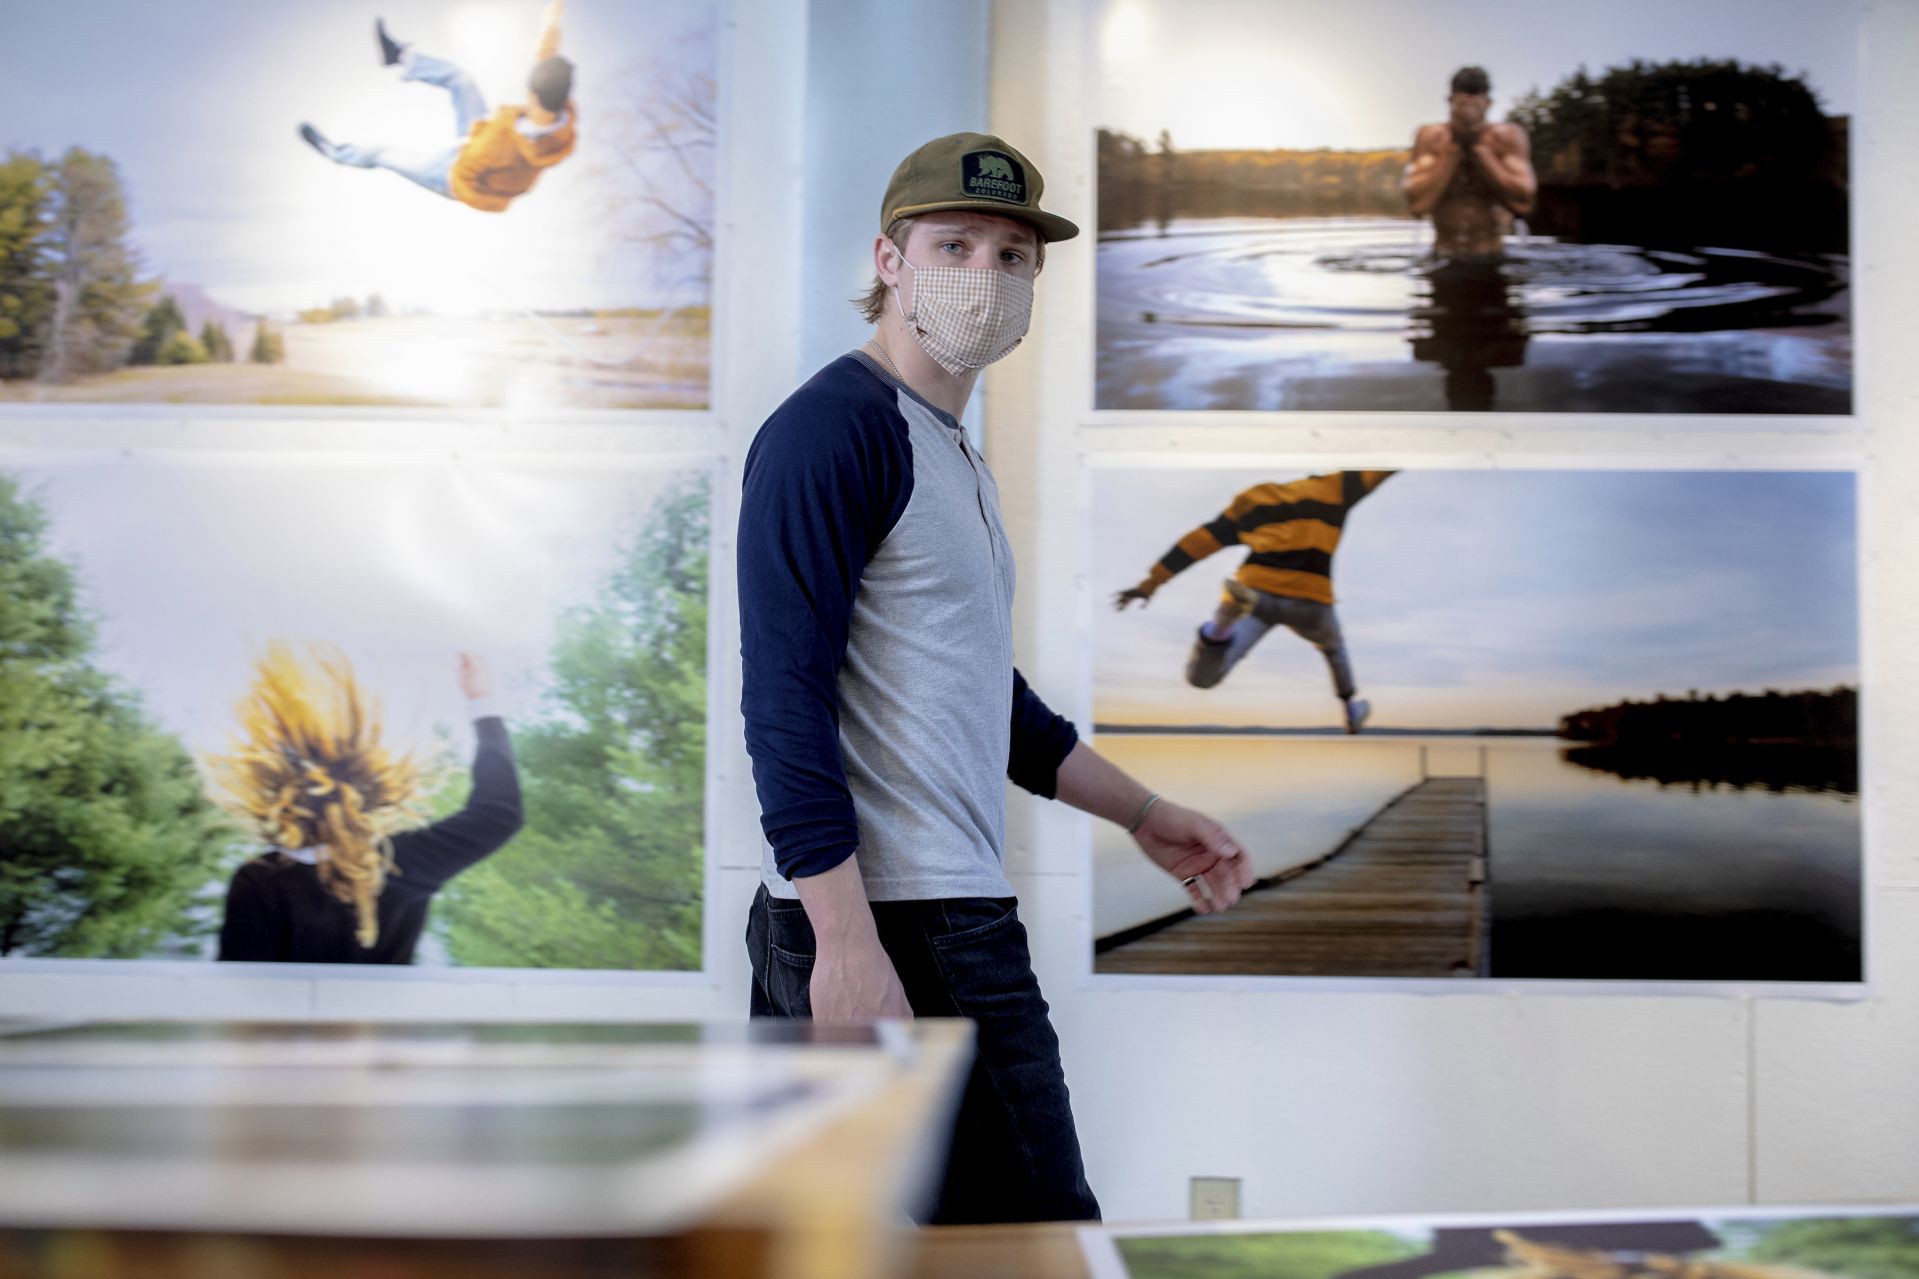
<point x="894" y="288"/>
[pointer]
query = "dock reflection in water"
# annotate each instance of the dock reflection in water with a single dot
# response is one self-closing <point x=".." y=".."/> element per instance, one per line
<point x="1351" y="313"/>
<point x="1593" y="875"/>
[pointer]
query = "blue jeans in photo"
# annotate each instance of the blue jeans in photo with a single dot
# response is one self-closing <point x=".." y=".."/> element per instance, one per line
<point x="430" y="167"/>
<point x="1312" y="621"/>
<point x="1015" y="1154"/>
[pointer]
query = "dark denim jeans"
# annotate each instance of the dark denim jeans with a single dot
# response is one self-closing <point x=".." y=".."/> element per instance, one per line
<point x="1015" y="1154"/>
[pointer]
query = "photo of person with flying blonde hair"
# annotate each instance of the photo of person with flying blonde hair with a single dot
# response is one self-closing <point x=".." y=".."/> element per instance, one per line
<point x="345" y="880"/>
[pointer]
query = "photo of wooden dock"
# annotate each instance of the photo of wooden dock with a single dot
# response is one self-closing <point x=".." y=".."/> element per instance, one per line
<point x="1403" y="895"/>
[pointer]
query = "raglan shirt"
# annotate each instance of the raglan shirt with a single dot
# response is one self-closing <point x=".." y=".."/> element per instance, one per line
<point x="883" y="713"/>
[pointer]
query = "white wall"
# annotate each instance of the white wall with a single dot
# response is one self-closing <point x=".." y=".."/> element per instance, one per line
<point x="1342" y="1102"/>
<point x="1486" y="1098"/>
<point x="880" y="80"/>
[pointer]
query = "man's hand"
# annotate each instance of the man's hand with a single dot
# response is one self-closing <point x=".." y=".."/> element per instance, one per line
<point x="1143" y="593"/>
<point x="853" y="977"/>
<point x="1181" y="842"/>
<point x="856" y="982"/>
<point x="1194" y="848"/>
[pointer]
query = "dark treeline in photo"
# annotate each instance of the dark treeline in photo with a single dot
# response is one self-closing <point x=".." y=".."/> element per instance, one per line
<point x="1685" y="153"/>
<point x="1669" y="154"/>
<point x="1778" y="741"/>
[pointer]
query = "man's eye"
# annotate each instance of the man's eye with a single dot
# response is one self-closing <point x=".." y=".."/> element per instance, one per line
<point x="953" y="244"/>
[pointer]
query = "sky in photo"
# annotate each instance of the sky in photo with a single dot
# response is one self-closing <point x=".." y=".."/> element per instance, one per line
<point x="189" y="567"/>
<point x="199" y="101"/>
<point x="1362" y="74"/>
<point x="1499" y="599"/>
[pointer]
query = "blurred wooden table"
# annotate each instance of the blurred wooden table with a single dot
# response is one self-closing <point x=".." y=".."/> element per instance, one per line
<point x="283" y="1151"/>
<point x="1048" y="1251"/>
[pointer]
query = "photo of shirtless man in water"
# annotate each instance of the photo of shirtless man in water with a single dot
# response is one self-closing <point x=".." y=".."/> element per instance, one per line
<point x="1473" y="176"/>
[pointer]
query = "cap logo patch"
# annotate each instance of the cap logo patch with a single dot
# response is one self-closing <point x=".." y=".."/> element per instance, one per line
<point x="993" y="175"/>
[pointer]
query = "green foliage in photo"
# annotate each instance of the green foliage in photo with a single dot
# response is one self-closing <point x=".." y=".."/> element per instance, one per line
<point x="1700" y="120"/>
<point x="26" y="280"/>
<point x="98" y="296"/>
<point x="1849" y="1247"/>
<point x="269" y="347"/>
<point x="608" y="871"/>
<point x="112" y="850"/>
<point x="1308" y="1254"/>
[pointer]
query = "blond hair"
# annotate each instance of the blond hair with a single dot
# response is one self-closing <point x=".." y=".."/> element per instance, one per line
<point x="872" y="303"/>
<point x="308" y="770"/>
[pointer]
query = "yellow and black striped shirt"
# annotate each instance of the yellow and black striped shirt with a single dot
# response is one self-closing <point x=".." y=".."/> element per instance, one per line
<point x="1291" y="529"/>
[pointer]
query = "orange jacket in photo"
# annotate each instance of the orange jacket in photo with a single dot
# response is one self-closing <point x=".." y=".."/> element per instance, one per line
<point x="500" y="163"/>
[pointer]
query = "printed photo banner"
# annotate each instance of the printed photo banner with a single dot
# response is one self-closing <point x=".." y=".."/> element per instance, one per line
<point x="354" y="710"/>
<point x="1826" y="1242"/>
<point x="469" y="205"/>
<point x="1378" y="205"/>
<point x="1580" y="725"/>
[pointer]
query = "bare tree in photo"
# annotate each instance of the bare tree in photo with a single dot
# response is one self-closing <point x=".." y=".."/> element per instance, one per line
<point x="98" y="299"/>
<point x="659" y="160"/>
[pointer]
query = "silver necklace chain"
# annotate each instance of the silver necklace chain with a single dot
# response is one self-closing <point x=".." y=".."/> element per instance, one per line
<point x="887" y="360"/>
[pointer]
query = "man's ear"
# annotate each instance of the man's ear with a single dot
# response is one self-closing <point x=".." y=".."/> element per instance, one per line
<point x="886" y="259"/>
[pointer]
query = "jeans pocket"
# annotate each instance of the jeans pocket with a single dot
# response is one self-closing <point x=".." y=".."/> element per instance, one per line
<point x="790" y="951"/>
<point x="780" y="947"/>
<point x="986" y="967"/>
<point x="971" y="920"/>
<point x="789" y="981"/>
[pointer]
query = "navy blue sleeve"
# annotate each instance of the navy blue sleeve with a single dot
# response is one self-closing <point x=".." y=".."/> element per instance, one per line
<point x="428" y="857"/>
<point x="826" y="480"/>
<point x="1041" y="741"/>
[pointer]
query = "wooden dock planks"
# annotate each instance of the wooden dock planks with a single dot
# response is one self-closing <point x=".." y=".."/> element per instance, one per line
<point x="1403" y="896"/>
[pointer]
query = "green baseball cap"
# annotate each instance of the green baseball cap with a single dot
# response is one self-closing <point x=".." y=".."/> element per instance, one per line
<point x="976" y="172"/>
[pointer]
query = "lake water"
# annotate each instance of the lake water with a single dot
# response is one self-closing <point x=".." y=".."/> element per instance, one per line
<point x="1593" y="876"/>
<point x="1347" y="313"/>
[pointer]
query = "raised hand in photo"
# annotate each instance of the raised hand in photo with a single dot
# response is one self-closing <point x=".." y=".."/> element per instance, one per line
<point x="476" y="681"/>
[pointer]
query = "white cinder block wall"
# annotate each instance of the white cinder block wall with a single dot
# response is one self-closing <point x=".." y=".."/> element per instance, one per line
<point x="1322" y="1101"/>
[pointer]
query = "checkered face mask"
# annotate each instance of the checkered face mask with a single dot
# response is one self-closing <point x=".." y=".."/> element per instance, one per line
<point x="967" y="317"/>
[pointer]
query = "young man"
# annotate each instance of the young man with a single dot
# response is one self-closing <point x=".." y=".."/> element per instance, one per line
<point x="1474" y="177"/>
<point x="883" y="713"/>
<point x="494" y="158"/>
<point x="1291" y="531"/>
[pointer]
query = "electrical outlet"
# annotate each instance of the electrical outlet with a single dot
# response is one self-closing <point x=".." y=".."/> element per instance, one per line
<point x="1215" y="1198"/>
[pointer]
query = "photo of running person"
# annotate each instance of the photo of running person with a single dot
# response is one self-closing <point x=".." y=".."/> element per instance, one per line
<point x="1566" y="770"/>
<point x="494" y="157"/>
<point x="339" y="883"/>
<point x="1291" y="531"/>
